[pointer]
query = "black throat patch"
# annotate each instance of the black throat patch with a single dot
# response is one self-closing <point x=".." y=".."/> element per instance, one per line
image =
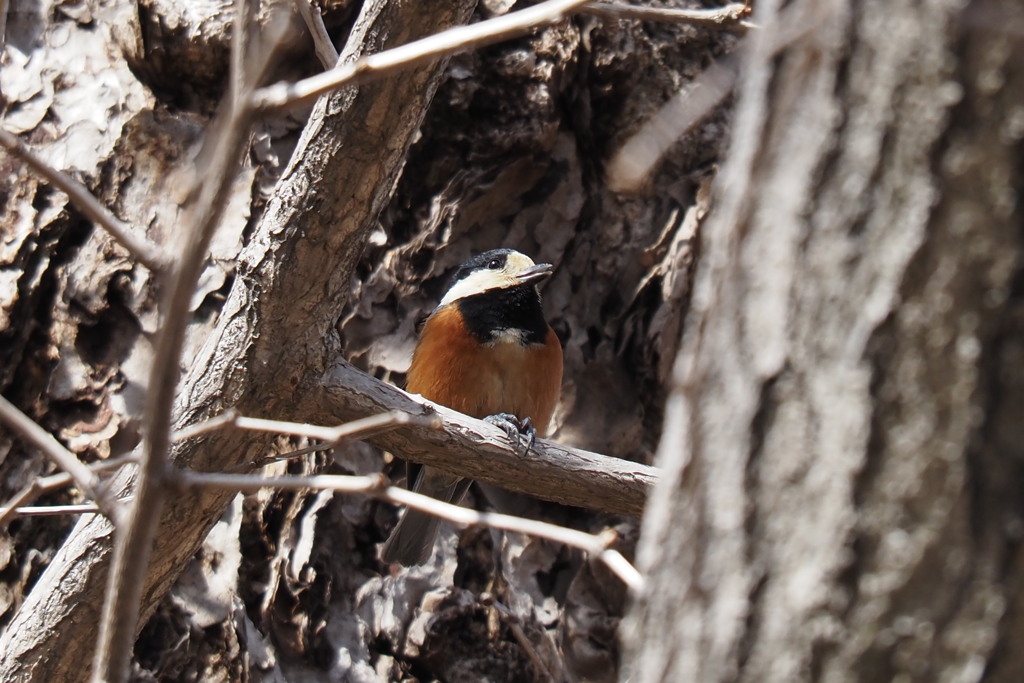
<point x="516" y="310"/>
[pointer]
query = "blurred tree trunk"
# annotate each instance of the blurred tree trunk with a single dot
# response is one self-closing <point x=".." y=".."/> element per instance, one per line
<point x="844" y="449"/>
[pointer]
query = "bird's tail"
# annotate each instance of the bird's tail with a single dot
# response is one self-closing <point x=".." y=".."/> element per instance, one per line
<point x="412" y="539"/>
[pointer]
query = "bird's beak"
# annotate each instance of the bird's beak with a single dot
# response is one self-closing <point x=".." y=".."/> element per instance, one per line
<point x="535" y="273"/>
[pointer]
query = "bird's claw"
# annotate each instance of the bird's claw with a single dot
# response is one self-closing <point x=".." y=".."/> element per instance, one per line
<point x="515" y="428"/>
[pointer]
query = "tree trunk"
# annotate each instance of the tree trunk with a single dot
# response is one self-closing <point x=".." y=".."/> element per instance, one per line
<point x="843" y="445"/>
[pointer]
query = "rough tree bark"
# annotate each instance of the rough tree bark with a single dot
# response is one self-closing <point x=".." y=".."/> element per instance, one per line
<point x="843" y="446"/>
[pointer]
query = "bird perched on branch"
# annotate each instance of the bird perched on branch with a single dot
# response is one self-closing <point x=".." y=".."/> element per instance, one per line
<point x="486" y="351"/>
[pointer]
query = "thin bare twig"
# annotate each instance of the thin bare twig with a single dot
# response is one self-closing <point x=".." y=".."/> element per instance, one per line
<point x="415" y="53"/>
<point x="55" y="510"/>
<point x="596" y="546"/>
<point x="331" y="437"/>
<point x="225" y="419"/>
<point x="357" y="429"/>
<point x="729" y="16"/>
<point x="322" y="45"/>
<point x="23" y="497"/>
<point x="84" y="478"/>
<point x="377" y="486"/>
<point x="146" y="252"/>
<point x="633" y="163"/>
<point x="350" y="430"/>
<point x="55" y="481"/>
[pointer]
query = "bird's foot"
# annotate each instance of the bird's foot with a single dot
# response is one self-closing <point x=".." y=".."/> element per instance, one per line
<point x="515" y="428"/>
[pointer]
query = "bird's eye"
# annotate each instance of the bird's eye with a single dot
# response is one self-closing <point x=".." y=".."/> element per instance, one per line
<point x="494" y="264"/>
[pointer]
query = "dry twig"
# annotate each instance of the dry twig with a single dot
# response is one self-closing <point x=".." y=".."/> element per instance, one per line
<point x="330" y="437"/>
<point x="377" y="486"/>
<point x="418" y="52"/>
<point x="147" y="253"/>
<point x="357" y="429"/>
<point x="729" y="16"/>
<point x="55" y="510"/>
<point x="322" y="44"/>
<point x="633" y="163"/>
<point x="85" y="479"/>
<point x="55" y="481"/>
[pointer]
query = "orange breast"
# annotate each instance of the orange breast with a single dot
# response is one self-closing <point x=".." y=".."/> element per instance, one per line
<point x="452" y="368"/>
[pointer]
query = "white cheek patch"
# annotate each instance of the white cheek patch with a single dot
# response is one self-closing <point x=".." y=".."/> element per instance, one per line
<point x="476" y="282"/>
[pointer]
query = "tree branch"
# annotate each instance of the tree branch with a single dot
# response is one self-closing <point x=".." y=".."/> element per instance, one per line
<point x="423" y="51"/>
<point x="632" y="164"/>
<point x="85" y="479"/>
<point x="146" y="252"/>
<point x="53" y="510"/>
<point x="41" y="485"/>
<point x="461" y="445"/>
<point x="729" y="16"/>
<point x="331" y="436"/>
<point x="322" y="44"/>
<point x="474" y="449"/>
<point x="596" y="545"/>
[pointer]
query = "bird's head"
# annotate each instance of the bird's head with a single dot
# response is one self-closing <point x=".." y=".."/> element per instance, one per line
<point x="494" y="270"/>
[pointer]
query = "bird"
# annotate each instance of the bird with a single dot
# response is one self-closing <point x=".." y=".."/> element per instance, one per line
<point x="486" y="351"/>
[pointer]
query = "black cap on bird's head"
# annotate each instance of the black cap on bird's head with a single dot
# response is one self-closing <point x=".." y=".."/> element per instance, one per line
<point x="492" y="270"/>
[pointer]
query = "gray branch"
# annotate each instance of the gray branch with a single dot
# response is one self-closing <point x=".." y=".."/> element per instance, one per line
<point x="475" y="449"/>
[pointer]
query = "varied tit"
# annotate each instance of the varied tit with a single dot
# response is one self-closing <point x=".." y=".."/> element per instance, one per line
<point x="486" y="351"/>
